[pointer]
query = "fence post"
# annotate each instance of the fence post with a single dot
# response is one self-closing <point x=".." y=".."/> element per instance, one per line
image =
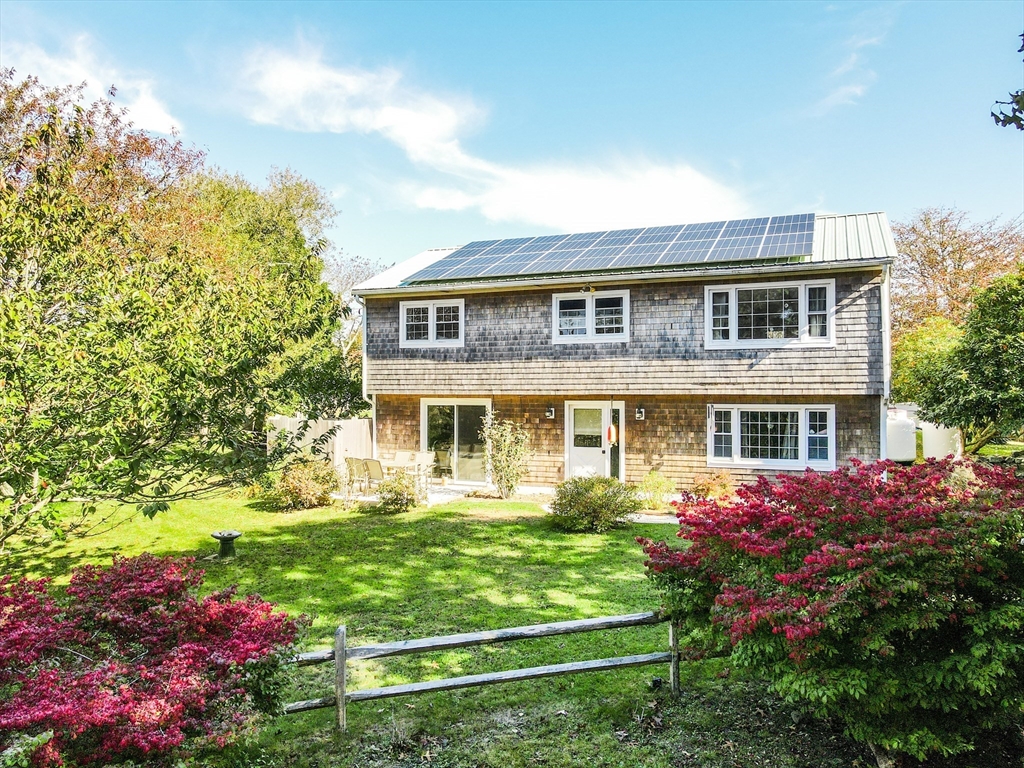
<point x="339" y="676"/>
<point x="673" y="642"/>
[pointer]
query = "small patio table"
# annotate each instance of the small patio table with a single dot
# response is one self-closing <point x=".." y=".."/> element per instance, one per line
<point x="394" y="466"/>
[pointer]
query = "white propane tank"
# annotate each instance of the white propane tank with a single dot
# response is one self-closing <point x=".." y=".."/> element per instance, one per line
<point x="939" y="442"/>
<point x="900" y="436"/>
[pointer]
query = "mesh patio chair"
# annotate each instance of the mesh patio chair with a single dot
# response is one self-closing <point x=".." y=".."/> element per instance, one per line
<point x="356" y="473"/>
<point x="424" y="466"/>
<point x="443" y="463"/>
<point x="403" y="457"/>
<point x="374" y="472"/>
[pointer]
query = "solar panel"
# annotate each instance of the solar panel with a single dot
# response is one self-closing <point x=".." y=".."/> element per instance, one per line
<point x="654" y="247"/>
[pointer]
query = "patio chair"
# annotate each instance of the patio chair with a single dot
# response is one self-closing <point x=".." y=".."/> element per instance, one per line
<point x="356" y="473"/>
<point x="424" y="466"/>
<point x="374" y="472"/>
<point x="443" y="463"/>
<point x="403" y="457"/>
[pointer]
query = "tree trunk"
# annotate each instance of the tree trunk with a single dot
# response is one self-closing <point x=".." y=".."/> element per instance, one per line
<point x="884" y="757"/>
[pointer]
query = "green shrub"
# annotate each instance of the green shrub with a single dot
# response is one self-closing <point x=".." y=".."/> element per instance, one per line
<point x="594" y="504"/>
<point x="506" y="455"/>
<point x="654" y="491"/>
<point x="305" y="483"/>
<point x="398" y="493"/>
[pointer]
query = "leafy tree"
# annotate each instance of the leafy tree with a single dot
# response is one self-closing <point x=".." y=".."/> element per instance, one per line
<point x="943" y="259"/>
<point x="1015" y="116"/>
<point x="979" y="387"/>
<point x="918" y="356"/>
<point x="143" y="305"/>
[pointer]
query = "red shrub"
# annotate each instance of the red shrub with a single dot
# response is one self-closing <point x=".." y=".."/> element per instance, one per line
<point x="891" y="597"/>
<point x="129" y="664"/>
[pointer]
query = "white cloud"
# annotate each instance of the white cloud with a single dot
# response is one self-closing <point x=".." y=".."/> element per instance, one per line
<point x="853" y="70"/>
<point x="299" y="91"/>
<point x="844" y="94"/>
<point x="79" y="63"/>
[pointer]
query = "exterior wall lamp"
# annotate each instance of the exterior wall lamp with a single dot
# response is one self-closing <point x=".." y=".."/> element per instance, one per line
<point x="640" y="414"/>
<point x="550" y="412"/>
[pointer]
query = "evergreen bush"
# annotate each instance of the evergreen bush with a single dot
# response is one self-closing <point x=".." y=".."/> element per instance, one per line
<point x="594" y="504"/>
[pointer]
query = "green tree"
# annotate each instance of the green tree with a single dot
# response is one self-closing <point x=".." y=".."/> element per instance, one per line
<point x="980" y="386"/>
<point x="918" y="357"/>
<point x="143" y="308"/>
<point x="1015" y="116"/>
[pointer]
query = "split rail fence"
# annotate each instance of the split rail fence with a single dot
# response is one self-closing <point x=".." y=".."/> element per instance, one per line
<point x="340" y="654"/>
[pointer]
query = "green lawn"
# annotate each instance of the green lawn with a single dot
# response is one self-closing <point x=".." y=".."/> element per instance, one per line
<point x="1001" y="449"/>
<point x="472" y="564"/>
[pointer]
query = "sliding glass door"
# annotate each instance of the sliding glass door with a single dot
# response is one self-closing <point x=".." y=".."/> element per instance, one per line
<point x="452" y="430"/>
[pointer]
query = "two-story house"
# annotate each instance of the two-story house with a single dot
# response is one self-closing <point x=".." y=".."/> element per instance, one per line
<point x="758" y="346"/>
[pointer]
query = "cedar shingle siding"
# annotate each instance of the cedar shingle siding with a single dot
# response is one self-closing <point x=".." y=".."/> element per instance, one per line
<point x="671" y="439"/>
<point x="509" y="357"/>
<point x="508" y="349"/>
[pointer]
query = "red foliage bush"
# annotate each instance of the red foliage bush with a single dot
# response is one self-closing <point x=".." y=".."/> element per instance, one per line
<point x="890" y="597"/>
<point x="129" y="664"/>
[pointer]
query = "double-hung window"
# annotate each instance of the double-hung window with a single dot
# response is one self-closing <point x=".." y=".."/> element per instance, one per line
<point x="770" y="315"/>
<point x="784" y="436"/>
<point x="590" y="317"/>
<point x="438" y="323"/>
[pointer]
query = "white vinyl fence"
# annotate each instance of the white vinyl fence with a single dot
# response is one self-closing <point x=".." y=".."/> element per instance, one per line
<point x="352" y="437"/>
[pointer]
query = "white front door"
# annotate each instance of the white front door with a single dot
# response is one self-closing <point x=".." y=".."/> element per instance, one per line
<point x="589" y="450"/>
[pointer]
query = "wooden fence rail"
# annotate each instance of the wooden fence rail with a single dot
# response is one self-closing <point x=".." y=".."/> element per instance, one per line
<point x="340" y="654"/>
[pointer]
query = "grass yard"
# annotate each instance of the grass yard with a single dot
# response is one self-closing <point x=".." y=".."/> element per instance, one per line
<point x="472" y="564"/>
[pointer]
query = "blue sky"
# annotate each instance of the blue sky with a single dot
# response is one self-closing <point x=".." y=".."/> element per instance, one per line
<point x="434" y="124"/>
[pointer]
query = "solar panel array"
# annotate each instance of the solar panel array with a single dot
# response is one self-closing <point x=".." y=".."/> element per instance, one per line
<point x="653" y="248"/>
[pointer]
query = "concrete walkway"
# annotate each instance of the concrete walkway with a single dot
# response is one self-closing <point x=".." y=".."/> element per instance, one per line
<point x="436" y="494"/>
<point x="650" y="518"/>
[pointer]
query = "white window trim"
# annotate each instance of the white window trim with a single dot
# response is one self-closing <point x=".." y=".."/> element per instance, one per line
<point x="801" y="463"/>
<point x="425" y="401"/>
<point x="591" y="336"/>
<point x="405" y="343"/>
<point x="804" y="340"/>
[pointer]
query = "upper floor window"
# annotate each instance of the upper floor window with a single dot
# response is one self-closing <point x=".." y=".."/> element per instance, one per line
<point x="770" y="314"/>
<point x="432" y="323"/>
<point x="590" y="317"/>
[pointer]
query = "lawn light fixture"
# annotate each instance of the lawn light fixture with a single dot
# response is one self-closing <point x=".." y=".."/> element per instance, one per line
<point x="640" y="413"/>
<point x="550" y="412"/>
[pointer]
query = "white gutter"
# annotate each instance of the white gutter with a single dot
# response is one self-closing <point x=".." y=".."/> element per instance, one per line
<point x="362" y="342"/>
<point x="886" y="362"/>
<point x="366" y="396"/>
<point x="626" y="277"/>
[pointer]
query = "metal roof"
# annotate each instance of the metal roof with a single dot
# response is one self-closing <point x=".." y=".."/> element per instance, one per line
<point x="853" y="236"/>
<point x="837" y="240"/>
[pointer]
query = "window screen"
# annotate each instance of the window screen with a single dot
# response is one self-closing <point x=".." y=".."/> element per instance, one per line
<point x="770" y="435"/>
<point x="768" y="313"/>
<point x="417" y="323"/>
<point x="572" y="317"/>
